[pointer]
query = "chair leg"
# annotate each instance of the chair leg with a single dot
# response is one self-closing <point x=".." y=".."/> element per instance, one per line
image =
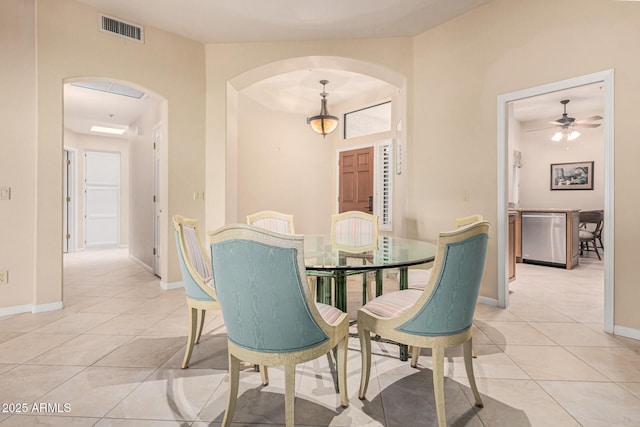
<point x="415" y="355"/>
<point x="191" y="337"/>
<point x="201" y="315"/>
<point x="365" y="350"/>
<point x="595" y="248"/>
<point x="342" y="371"/>
<point x="468" y="365"/>
<point x="264" y="375"/>
<point x="232" y="396"/>
<point x="438" y="383"/>
<point x="289" y="393"/>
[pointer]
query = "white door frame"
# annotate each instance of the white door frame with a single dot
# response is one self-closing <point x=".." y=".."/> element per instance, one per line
<point x="158" y="131"/>
<point x="605" y="77"/>
<point x="71" y="191"/>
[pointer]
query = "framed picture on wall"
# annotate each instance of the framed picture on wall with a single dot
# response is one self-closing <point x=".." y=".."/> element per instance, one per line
<point x="572" y="176"/>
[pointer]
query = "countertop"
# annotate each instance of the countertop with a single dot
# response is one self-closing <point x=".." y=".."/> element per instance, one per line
<point x="545" y="210"/>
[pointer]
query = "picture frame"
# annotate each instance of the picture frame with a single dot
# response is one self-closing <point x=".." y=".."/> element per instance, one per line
<point x="572" y="176"/>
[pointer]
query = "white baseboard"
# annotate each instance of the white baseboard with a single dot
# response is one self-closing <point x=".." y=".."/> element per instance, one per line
<point x="488" y="301"/>
<point x="623" y="331"/>
<point x="172" y="285"/>
<point x="31" y="308"/>
<point x="140" y="263"/>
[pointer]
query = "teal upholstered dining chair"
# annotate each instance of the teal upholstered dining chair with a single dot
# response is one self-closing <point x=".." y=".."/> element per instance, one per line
<point x="269" y="311"/>
<point x="418" y="277"/>
<point x="272" y="220"/>
<point x="356" y="233"/>
<point x="197" y="279"/>
<point x="441" y="316"/>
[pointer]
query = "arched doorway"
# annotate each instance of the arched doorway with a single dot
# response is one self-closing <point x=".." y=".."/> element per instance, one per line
<point x="112" y="127"/>
<point x="290" y="143"/>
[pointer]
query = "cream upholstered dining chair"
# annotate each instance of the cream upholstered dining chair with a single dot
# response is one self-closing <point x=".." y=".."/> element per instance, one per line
<point x="355" y="232"/>
<point x="441" y="316"/>
<point x="271" y="220"/>
<point x="269" y="311"/>
<point x="197" y="278"/>
<point x="418" y="277"/>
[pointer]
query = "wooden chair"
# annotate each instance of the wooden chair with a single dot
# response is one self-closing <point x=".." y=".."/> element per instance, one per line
<point x="272" y="220"/>
<point x="269" y="311"/>
<point x="197" y="279"/>
<point x="441" y="316"/>
<point x="590" y="229"/>
<point x="355" y="232"/>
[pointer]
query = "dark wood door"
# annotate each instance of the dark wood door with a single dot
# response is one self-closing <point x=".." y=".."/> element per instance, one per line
<point x="356" y="180"/>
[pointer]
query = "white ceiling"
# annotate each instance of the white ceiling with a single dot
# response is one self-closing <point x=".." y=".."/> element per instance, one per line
<point x="583" y="100"/>
<point x="211" y="21"/>
<point x="239" y="21"/>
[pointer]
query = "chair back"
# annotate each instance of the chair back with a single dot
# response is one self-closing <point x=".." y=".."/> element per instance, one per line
<point x="461" y="222"/>
<point x="449" y="300"/>
<point x="273" y="221"/>
<point x="354" y="231"/>
<point x="261" y="282"/>
<point x="194" y="265"/>
<point x="592" y="221"/>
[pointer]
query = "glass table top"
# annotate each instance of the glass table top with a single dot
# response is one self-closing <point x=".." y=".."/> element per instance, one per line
<point x="390" y="252"/>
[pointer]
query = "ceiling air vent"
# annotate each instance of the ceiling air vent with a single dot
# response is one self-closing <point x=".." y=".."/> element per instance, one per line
<point x="112" y="25"/>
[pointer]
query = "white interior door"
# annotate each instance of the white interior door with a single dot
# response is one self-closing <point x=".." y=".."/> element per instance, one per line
<point x="102" y="199"/>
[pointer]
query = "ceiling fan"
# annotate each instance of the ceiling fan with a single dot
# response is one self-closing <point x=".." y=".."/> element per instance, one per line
<point x="565" y="121"/>
<point x="566" y="124"/>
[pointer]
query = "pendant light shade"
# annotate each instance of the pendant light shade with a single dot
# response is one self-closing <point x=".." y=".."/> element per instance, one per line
<point x="323" y="123"/>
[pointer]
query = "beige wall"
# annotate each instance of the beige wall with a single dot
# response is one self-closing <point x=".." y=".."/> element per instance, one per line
<point x="499" y="48"/>
<point x="18" y="150"/>
<point x="283" y="166"/>
<point x="69" y="45"/>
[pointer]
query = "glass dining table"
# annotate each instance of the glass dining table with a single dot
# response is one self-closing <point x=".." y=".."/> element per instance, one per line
<point x="326" y="261"/>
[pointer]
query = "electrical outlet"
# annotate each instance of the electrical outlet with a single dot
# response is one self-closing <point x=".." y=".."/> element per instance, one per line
<point x="4" y="277"/>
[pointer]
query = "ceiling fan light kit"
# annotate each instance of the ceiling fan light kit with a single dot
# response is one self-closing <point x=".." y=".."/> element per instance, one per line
<point x="567" y="125"/>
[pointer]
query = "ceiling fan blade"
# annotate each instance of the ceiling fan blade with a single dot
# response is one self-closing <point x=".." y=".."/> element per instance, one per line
<point x="587" y="125"/>
<point x="557" y="123"/>
<point x="589" y="119"/>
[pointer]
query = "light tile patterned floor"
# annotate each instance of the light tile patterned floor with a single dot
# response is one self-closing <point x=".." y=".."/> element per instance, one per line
<point x="112" y="358"/>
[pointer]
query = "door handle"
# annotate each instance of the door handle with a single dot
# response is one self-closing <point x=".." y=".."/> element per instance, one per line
<point x="370" y="203"/>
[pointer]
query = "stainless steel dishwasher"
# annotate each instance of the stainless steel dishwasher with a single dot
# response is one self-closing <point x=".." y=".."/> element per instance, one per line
<point x="544" y="238"/>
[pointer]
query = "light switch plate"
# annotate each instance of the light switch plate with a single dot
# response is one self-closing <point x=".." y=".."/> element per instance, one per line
<point x="4" y="277"/>
<point x="5" y="193"/>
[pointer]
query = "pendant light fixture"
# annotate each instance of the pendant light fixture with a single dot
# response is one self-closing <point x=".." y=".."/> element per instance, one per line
<point x="323" y="123"/>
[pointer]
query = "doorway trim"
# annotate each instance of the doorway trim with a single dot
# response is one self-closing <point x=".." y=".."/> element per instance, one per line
<point x="607" y="78"/>
<point x="72" y="193"/>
